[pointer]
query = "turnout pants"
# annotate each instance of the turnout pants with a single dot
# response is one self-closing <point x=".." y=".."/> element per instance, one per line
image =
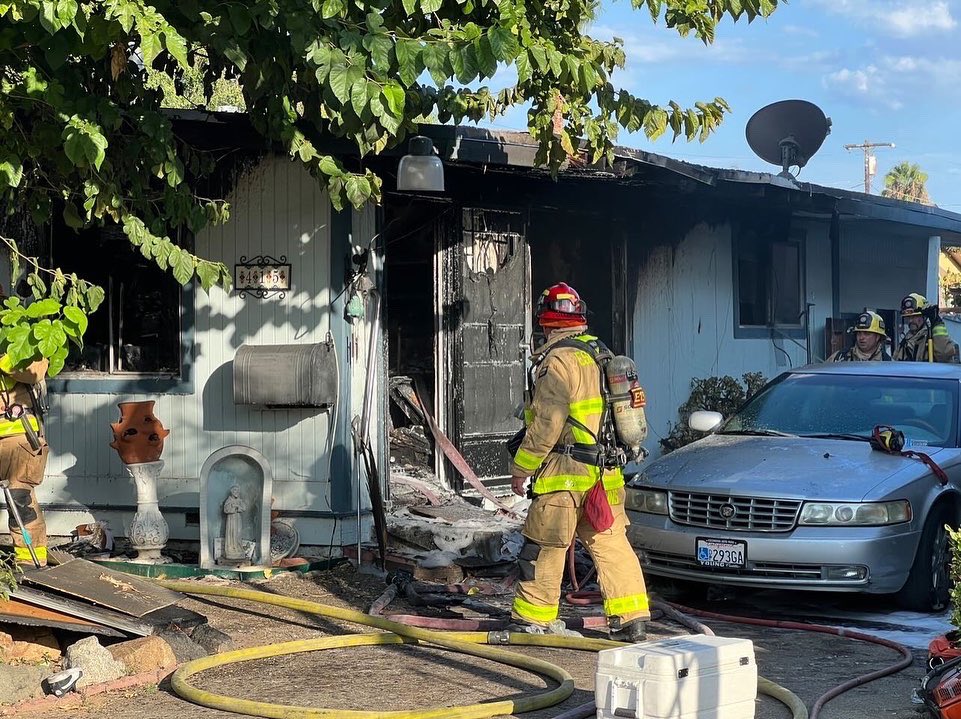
<point x="552" y="522"/>
<point x="23" y="467"/>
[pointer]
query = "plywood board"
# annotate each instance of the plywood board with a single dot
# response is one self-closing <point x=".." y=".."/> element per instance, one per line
<point x="82" y="610"/>
<point x="115" y="590"/>
<point x="14" y="611"/>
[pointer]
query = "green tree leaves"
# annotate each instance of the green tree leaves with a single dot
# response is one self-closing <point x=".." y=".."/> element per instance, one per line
<point x="75" y="321"/>
<point x="40" y="330"/>
<point x="182" y="264"/>
<point x="11" y="171"/>
<point x="83" y="135"/>
<point x="84" y="143"/>
<point x="503" y="45"/>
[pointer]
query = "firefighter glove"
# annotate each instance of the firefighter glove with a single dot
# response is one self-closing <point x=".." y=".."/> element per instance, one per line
<point x="932" y="314"/>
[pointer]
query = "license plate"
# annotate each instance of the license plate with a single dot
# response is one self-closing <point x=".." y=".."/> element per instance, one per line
<point x="721" y="552"/>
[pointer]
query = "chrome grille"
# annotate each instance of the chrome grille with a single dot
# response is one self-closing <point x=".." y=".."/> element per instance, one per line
<point x="750" y="514"/>
<point x="773" y="570"/>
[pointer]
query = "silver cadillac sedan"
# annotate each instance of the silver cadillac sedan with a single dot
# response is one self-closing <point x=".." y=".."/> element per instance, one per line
<point x="789" y="492"/>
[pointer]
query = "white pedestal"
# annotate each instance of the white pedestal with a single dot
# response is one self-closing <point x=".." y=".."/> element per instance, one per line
<point x="148" y="530"/>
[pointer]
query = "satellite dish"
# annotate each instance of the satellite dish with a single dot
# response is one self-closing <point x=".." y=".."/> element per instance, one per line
<point x="787" y="133"/>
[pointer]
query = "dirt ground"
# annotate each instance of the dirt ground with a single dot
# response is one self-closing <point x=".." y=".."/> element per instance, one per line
<point x="406" y="677"/>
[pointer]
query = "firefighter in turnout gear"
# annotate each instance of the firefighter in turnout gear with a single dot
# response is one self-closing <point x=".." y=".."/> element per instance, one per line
<point x="869" y="343"/>
<point x="565" y="409"/>
<point x="927" y="338"/>
<point x="23" y="452"/>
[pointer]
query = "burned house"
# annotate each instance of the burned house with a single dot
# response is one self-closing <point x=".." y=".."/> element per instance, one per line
<point x="425" y="302"/>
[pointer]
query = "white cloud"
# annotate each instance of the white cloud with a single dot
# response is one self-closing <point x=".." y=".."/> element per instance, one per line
<point x="930" y="73"/>
<point x="647" y="50"/>
<point x="891" y="80"/>
<point x="816" y="61"/>
<point x="867" y="84"/>
<point x="637" y="49"/>
<point x="901" y="18"/>
<point x="914" y="19"/>
<point x="800" y="31"/>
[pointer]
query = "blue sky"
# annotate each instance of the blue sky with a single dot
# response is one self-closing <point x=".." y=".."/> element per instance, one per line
<point x="882" y="70"/>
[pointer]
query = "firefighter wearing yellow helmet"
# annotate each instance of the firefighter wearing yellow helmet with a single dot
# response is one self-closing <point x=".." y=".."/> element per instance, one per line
<point x="926" y="338"/>
<point x="869" y="343"/>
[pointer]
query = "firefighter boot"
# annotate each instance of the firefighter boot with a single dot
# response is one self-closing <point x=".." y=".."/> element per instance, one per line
<point x="633" y="632"/>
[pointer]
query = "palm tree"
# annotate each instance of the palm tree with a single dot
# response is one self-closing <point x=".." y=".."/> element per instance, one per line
<point x="906" y="181"/>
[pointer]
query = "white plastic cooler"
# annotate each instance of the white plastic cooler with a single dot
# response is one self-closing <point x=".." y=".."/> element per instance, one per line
<point x="686" y="677"/>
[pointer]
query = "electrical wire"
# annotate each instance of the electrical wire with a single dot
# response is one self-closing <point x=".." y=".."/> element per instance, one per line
<point x="790" y="363"/>
<point x="360" y="272"/>
<point x="788" y="338"/>
<point x="334" y="411"/>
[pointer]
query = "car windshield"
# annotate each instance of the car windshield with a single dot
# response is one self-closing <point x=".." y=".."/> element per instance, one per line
<point x="837" y="405"/>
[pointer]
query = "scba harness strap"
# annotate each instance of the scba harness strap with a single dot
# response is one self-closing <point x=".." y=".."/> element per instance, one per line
<point x="604" y="451"/>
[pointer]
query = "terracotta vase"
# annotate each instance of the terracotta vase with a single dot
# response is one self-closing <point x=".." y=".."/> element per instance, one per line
<point x="139" y="435"/>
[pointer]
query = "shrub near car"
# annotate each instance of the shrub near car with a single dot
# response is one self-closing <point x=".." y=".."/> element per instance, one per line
<point x="788" y="492"/>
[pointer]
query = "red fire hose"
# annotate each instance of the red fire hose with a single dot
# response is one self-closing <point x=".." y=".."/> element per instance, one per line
<point x="677" y="612"/>
<point x="906" y="658"/>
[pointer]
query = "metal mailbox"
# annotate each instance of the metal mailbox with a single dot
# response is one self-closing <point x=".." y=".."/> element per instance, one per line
<point x="285" y="375"/>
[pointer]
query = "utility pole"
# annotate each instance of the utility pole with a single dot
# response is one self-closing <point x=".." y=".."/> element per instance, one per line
<point x="870" y="161"/>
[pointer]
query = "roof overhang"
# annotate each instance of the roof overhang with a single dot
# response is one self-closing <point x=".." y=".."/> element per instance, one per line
<point x="513" y="151"/>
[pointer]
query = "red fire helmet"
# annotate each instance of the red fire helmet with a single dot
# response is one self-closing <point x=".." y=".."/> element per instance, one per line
<point x="560" y="306"/>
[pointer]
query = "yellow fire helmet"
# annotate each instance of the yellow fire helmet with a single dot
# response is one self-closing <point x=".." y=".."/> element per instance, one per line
<point x="912" y="305"/>
<point x="869" y="321"/>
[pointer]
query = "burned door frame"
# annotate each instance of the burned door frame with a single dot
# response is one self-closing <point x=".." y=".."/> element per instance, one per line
<point x="622" y="339"/>
<point x="448" y="257"/>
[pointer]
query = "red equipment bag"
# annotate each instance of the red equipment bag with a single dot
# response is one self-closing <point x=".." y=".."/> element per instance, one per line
<point x="597" y="508"/>
<point x="944" y="648"/>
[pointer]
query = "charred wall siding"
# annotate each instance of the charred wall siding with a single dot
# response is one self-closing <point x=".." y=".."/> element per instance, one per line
<point x="683" y="314"/>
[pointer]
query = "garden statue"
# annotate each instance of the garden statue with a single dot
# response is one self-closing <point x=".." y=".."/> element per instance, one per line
<point x="234" y="507"/>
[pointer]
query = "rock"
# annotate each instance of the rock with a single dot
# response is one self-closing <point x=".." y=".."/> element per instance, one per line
<point x="143" y="655"/>
<point x="212" y="640"/>
<point x="29" y="645"/>
<point x="20" y="682"/>
<point x="184" y="648"/>
<point x="96" y="662"/>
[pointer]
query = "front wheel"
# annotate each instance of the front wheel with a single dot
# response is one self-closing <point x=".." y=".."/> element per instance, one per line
<point x="928" y="588"/>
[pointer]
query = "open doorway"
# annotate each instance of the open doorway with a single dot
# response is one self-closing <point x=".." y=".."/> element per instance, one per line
<point x="458" y="292"/>
<point x="588" y="253"/>
<point x="410" y="320"/>
<point x="457" y="317"/>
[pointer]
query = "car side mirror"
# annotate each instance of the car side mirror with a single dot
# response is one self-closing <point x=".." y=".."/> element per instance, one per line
<point x="704" y="421"/>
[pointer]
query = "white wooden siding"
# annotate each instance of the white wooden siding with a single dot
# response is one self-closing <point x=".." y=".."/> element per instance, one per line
<point x="683" y="320"/>
<point x="877" y="268"/>
<point x="277" y="209"/>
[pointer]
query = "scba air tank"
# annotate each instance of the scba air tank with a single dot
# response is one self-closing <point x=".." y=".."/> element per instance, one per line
<point x="627" y="402"/>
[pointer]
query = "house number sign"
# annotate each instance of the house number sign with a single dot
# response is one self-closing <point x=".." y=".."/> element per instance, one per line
<point x="262" y="276"/>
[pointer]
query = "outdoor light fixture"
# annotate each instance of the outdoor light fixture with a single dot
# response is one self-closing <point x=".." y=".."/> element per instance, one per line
<point x="420" y="169"/>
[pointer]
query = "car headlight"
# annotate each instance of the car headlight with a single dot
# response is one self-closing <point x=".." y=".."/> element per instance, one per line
<point x="652" y="501"/>
<point x="864" y="514"/>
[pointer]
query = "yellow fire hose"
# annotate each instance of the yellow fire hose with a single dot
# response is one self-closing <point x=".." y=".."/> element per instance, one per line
<point x="472" y="643"/>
